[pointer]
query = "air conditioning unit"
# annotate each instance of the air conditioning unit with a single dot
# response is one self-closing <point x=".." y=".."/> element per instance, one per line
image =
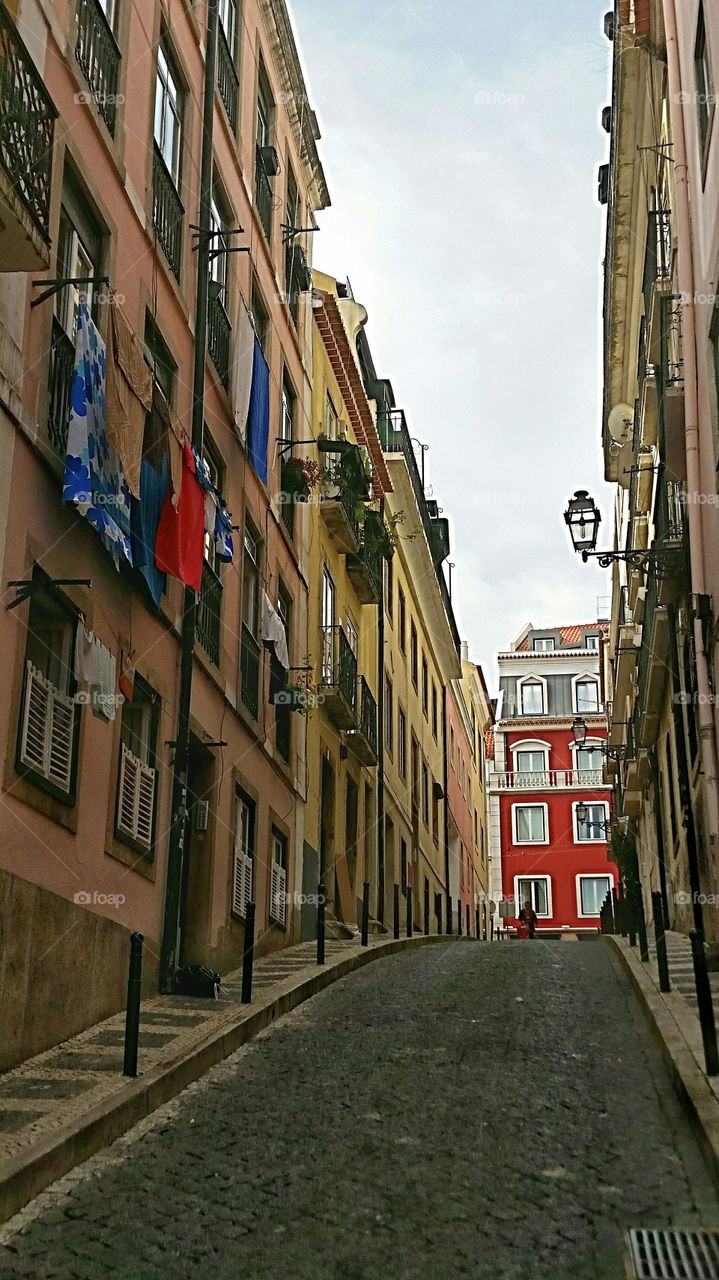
<point x="603" y="184"/>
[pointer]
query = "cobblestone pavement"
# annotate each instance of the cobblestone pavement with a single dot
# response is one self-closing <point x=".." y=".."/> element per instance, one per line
<point x="465" y="1110"/>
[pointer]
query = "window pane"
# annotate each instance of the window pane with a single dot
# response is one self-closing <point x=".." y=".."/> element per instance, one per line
<point x="593" y="890"/>
<point x="532" y="699"/>
<point x="530" y="761"/>
<point x="587" y="695"/>
<point x="530" y="823"/>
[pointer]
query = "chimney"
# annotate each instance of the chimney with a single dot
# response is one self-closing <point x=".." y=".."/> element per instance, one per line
<point x="465" y="651"/>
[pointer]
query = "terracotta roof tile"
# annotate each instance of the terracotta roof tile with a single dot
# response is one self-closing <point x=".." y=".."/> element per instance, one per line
<point x="571" y="635"/>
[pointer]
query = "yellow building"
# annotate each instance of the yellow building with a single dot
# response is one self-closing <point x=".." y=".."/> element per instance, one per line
<point x="345" y="544"/>
<point x="481" y="718"/>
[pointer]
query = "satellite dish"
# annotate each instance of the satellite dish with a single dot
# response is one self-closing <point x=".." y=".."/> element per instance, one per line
<point x="619" y="422"/>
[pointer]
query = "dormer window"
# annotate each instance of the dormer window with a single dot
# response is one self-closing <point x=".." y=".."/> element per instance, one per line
<point x="591" y="642"/>
<point x="543" y="644"/>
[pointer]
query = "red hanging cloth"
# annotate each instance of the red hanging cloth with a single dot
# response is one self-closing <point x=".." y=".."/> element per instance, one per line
<point x="180" y="546"/>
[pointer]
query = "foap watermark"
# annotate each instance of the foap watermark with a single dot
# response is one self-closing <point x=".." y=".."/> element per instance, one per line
<point x="496" y="298"/>
<point x="298" y="699"/>
<point x="85" y="898"/>
<point x="695" y="99"/>
<point x="489" y="498"/>
<point x="683" y="898"/>
<point x="686" y="699"/>
<point x="85" y="99"/>
<point x="497" y="98"/>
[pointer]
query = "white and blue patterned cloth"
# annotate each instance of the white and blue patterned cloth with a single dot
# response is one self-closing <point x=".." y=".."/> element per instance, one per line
<point x="94" y="479"/>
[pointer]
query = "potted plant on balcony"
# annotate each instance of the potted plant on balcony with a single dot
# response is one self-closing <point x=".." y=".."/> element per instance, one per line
<point x="299" y="477"/>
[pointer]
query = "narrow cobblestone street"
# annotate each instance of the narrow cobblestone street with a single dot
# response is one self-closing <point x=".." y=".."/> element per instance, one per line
<point x="313" y="1153"/>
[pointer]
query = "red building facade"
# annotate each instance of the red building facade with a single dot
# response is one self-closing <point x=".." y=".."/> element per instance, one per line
<point x="549" y="801"/>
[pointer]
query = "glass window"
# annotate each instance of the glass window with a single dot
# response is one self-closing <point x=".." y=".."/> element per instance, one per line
<point x="534" y="891"/>
<point x="425" y="688"/>
<point x="703" y="75"/>
<point x="592" y="892"/>
<point x="413" y="655"/>
<point x="543" y="644"/>
<point x="389" y="590"/>
<point x="218" y="263"/>
<point x="260" y="319"/>
<point x="388" y="714"/>
<point x="592" y="827"/>
<point x="264" y="113"/>
<point x="401" y="742"/>
<point x="227" y="14"/>
<point x="425" y="794"/>
<point x="530" y="761"/>
<point x="532" y="698"/>
<point x="587" y="696"/>
<point x="251" y="579"/>
<point x="331" y="425"/>
<point x="591" y="642"/>
<point x="435" y="716"/>
<point x="589" y="759"/>
<point x="288" y="409"/>
<point x="402" y="619"/>
<point x="529" y="824"/>
<point x="168" y="121"/>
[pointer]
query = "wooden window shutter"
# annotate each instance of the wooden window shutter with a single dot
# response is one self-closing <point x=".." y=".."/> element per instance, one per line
<point x="47" y="736"/>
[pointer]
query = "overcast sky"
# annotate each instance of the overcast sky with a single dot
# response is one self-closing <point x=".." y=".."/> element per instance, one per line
<point x="461" y="144"/>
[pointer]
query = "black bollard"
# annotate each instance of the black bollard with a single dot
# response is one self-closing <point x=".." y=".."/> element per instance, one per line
<point x="409" y="911"/>
<point x="396" y="911"/>
<point x="632" y="916"/>
<point x="459" y="917"/>
<point x="439" y="913"/>
<point x="662" y="964"/>
<point x="642" y="926"/>
<point x="365" y="914"/>
<point x="132" y="1017"/>
<point x="476" y="922"/>
<point x="491" y="928"/>
<point x="449" y="915"/>
<point x="426" y="907"/>
<point x="320" y="924"/>
<point x="615" y="911"/>
<point x="248" y="955"/>
<point x="704" y="1002"/>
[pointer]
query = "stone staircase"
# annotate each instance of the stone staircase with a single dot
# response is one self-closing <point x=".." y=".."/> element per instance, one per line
<point x="681" y="969"/>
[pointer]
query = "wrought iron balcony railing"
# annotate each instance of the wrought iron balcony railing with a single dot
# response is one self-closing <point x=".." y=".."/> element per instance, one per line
<point x="168" y="213"/>
<point x="263" y="195"/>
<point x="367" y="723"/>
<point x="339" y="666"/>
<point x="227" y="78"/>
<point x="218" y="338"/>
<point x="209" y="608"/>
<point x="62" y="363"/>
<point x="249" y="671"/>
<point x="98" y="54"/>
<point x="27" y="126"/>
<point x="287" y="507"/>
<point x="283" y="731"/>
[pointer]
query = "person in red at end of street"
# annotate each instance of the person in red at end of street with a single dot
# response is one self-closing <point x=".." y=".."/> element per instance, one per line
<point x="528" y="917"/>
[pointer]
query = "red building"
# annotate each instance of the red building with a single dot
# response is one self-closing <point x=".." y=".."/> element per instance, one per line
<point x="549" y="803"/>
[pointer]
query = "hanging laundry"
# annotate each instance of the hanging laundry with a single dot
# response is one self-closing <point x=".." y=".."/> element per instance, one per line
<point x="278" y="682"/>
<point x="210" y="512"/>
<point x="179" y="549"/>
<point x="94" y="479"/>
<point x="145" y="518"/>
<point x="95" y="668"/>
<point x="224" y="547"/>
<point x="129" y="396"/>
<point x="241" y="371"/>
<point x="272" y="631"/>
<point x="258" y="418"/>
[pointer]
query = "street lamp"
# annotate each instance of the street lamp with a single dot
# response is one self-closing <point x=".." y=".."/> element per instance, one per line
<point x="579" y="731"/>
<point x="583" y="519"/>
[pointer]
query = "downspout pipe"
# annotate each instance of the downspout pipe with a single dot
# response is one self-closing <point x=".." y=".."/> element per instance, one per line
<point x="380" y="745"/>
<point x="176" y="850"/>
<point x="691" y="408"/>
<point x="445" y="771"/>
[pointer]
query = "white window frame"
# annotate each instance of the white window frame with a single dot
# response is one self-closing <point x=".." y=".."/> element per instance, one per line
<point x="591" y="643"/>
<point x="596" y="804"/>
<point x="533" y="680"/>
<point x="586" y="677"/>
<point x="136" y="799"/>
<point x="531" y="805"/>
<point x="47" y="732"/>
<point x="242" y="863"/>
<point x="530" y="744"/>
<point x="541" y="915"/>
<point x="590" y="875"/>
<point x="543" y="644"/>
<point x="168" y="98"/>
<point x="278" y="881"/>
<point x="592" y="744"/>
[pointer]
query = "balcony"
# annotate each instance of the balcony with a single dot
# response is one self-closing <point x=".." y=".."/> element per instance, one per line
<point x="657" y="277"/>
<point x="228" y="80"/>
<point x="98" y="54"/>
<point x="263" y="195"/>
<point x="298" y="277"/>
<point x="249" y="672"/>
<point x="344" y="490"/>
<point x="365" y="568"/>
<point x="27" y="128"/>
<point x="362" y="740"/>
<point x="628" y="646"/>
<point x="62" y="363"/>
<point x="338" y="677"/>
<point x="218" y="337"/>
<point x="671" y="538"/>
<point x="207" y="627"/>
<point x="168" y="213"/>
<point x="548" y="779"/>
<point x="653" y="668"/>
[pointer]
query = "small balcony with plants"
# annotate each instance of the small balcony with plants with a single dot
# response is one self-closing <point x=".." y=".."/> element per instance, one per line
<point x="337" y="686"/>
<point x="27" y="128"/>
<point x="344" y="490"/>
<point x="362" y="739"/>
<point x="365" y="567"/>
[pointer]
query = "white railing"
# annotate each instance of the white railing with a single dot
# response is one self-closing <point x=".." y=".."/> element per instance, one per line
<point x="545" y="778"/>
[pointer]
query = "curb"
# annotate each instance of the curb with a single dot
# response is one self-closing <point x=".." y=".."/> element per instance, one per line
<point x="26" y="1174"/>
<point x="678" y="1035"/>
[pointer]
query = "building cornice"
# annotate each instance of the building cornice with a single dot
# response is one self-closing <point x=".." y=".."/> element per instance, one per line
<point x="302" y="118"/>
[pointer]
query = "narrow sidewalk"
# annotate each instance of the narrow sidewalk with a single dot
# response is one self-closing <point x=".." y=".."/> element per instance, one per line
<point x="674" y="1018"/>
<point x="58" y="1108"/>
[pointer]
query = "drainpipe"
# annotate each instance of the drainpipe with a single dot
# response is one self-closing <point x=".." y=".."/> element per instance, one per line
<point x="380" y="745"/>
<point x="691" y="404"/>
<point x="171" y="927"/>
<point x="445" y="772"/>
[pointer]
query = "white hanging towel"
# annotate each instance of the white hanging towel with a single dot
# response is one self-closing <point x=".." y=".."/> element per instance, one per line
<point x="272" y="630"/>
<point x="95" y="667"/>
<point x="241" y="371"/>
